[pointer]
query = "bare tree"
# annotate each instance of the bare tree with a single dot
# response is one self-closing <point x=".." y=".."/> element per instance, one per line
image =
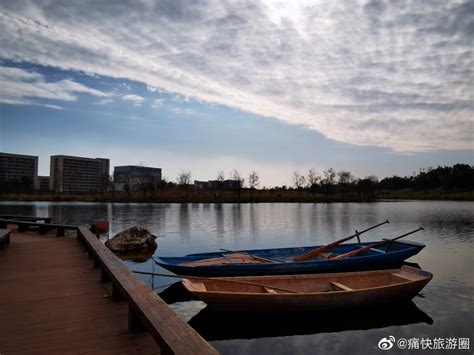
<point x="313" y="179"/>
<point x="220" y="176"/>
<point x="184" y="179"/>
<point x="329" y="179"/>
<point x="237" y="183"/>
<point x="220" y="179"/>
<point x="299" y="181"/>
<point x="254" y="180"/>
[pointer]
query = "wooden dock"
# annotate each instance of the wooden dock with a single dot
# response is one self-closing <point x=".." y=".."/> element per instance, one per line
<point x="58" y="296"/>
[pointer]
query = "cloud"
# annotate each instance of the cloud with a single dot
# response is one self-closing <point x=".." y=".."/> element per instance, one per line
<point x="397" y="74"/>
<point x="136" y="99"/>
<point x="158" y="103"/>
<point x="22" y="87"/>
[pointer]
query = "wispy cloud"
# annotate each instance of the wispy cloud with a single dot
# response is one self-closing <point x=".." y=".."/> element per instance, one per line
<point x="157" y="103"/>
<point x="22" y="87"/>
<point x="135" y="99"/>
<point x="393" y="74"/>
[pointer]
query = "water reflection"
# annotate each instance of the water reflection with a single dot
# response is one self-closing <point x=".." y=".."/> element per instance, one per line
<point x="224" y="326"/>
<point x="184" y="229"/>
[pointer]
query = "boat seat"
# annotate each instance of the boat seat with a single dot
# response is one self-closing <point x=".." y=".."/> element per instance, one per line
<point x="341" y="286"/>
<point x="378" y="250"/>
<point x="326" y="256"/>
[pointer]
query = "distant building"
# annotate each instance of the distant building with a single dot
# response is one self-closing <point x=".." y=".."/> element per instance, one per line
<point x="201" y="184"/>
<point x="19" y="167"/>
<point x="134" y="176"/>
<point x="78" y="174"/>
<point x="43" y="183"/>
<point x="217" y="185"/>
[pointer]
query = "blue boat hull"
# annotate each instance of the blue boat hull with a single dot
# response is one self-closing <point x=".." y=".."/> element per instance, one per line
<point x="387" y="255"/>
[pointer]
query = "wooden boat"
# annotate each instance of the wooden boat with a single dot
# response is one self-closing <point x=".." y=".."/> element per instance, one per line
<point x="293" y="293"/>
<point x="281" y="261"/>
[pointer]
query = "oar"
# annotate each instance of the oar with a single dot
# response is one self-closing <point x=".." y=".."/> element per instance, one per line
<point x="259" y="258"/>
<point x="215" y="279"/>
<point x="326" y="247"/>
<point x="373" y="245"/>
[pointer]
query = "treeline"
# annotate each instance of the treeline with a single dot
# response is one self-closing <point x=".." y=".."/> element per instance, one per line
<point x="459" y="177"/>
<point x="449" y="182"/>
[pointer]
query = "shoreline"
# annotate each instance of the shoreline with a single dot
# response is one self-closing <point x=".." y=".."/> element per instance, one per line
<point x="245" y="196"/>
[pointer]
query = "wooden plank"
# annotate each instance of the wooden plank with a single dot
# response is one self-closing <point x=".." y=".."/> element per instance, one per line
<point x="57" y="305"/>
<point x="57" y="309"/>
<point x="170" y="332"/>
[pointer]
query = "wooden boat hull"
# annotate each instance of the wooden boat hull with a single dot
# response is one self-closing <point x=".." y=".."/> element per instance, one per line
<point x="385" y="256"/>
<point x="366" y="289"/>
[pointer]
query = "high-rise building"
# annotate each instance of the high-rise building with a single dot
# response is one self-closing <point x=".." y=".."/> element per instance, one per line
<point x="78" y="174"/>
<point x="19" y="167"/>
<point x="132" y="177"/>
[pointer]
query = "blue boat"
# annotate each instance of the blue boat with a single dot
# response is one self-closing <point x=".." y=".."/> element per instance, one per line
<point x="281" y="261"/>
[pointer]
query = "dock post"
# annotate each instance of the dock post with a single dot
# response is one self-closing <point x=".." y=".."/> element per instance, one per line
<point x="116" y="293"/>
<point x="104" y="277"/>
<point x="134" y="323"/>
<point x="59" y="232"/>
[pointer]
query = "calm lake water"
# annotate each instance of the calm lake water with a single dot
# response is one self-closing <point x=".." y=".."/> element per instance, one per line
<point x="443" y="310"/>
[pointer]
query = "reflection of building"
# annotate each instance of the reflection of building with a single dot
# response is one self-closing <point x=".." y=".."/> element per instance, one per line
<point x="133" y="177"/>
<point x="43" y="183"/>
<point x="77" y="174"/>
<point x="19" y="167"/>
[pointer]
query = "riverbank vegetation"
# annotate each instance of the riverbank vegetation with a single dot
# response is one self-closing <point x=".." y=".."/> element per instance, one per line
<point x="442" y="183"/>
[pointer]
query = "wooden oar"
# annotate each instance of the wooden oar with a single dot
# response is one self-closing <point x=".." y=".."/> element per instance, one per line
<point x="373" y="245"/>
<point x="216" y="279"/>
<point x="326" y="247"/>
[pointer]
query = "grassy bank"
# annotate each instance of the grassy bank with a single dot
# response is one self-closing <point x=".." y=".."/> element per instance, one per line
<point x="179" y="195"/>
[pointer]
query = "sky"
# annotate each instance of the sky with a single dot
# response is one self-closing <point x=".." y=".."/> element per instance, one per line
<point x="373" y="87"/>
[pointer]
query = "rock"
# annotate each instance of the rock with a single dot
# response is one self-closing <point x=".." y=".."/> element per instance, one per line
<point x="134" y="243"/>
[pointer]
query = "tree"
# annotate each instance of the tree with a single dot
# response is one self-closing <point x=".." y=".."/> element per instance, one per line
<point x="313" y="179"/>
<point x="299" y="181"/>
<point x="184" y="179"/>
<point x="328" y="181"/>
<point x="366" y="187"/>
<point x="345" y="178"/>
<point x="253" y="182"/>
<point x="237" y="182"/>
<point x="220" y="179"/>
